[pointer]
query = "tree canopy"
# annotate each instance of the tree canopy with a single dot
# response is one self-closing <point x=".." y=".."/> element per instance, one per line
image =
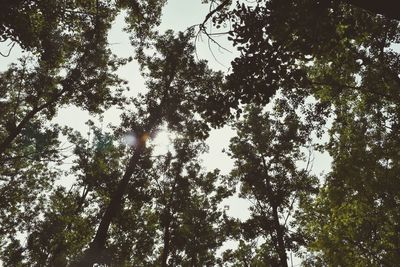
<point x="309" y="77"/>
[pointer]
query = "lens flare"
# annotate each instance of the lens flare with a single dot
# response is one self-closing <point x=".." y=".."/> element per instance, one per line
<point x="129" y="140"/>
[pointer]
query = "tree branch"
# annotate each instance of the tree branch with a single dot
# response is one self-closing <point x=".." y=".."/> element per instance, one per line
<point x="387" y="8"/>
<point x="9" y="51"/>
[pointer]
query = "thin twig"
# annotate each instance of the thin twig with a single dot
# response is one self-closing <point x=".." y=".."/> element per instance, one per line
<point x="9" y="51"/>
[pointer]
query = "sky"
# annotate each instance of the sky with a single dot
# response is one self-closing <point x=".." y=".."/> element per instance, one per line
<point x="177" y="15"/>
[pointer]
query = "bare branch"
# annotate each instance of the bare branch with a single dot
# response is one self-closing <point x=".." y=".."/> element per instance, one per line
<point x="9" y="51"/>
<point x="212" y="12"/>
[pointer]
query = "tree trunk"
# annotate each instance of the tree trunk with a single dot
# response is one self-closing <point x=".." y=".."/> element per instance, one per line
<point x="7" y="142"/>
<point x="280" y="246"/>
<point x="193" y="261"/>
<point x="96" y="252"/>
<point x="167" y="243"/>
<point x="280" y="238"/>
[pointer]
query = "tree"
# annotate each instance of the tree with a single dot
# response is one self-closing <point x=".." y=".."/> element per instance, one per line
<point x="187" y="213"/>
<point x="71" y="37"/>
<point x="356" y="211"/>
<point x="187" y="202"/>
<point x="266" y="149"/>
<point x="175" y="82"/>
<point x="31" y="96"/>
<point x="337" y="78"/>
<point x="346" y="63"/>
<point x="70" y="64"/>
<point x="68" y="222"/>
<point x="62" y="232"/>
<point x="276" y="42"/>
<point x="50" y="29"/>
<point x="81" y="52"/>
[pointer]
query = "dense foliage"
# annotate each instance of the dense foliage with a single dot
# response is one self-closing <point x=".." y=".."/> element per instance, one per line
<point x="310" y="77"/>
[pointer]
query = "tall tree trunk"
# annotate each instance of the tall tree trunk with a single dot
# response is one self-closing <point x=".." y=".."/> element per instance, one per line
<point x="7" y="142"/>
<point x="167" y="243"/>
<point x="166" y="221"/>
<point x="193" y="261"/>
<point x="280" y="237"/>
<point x="96" y="251"/>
